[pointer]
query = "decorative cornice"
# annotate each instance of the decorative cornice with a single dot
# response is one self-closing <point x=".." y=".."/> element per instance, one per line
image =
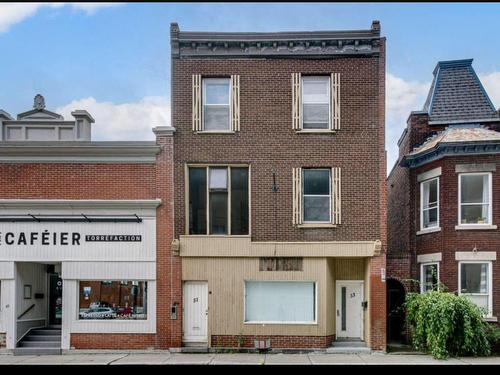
<point x="450" y="149"/>
<point x="78" y="152"/>
<point x="279" y="44"/>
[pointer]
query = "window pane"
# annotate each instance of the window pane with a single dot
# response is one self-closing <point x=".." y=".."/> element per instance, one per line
<point x="267" y="301"/>
<point x="216" y="91"/>
<point x="216" y="118"/>
<point x="218" y="178"/>
<point x="239" y="200"/>
<point x="315" y="89"/>
<point x="430" y="217"/>
<point x="315" y="116"/>
<point x="474" y="188"/>
<point x="481" y="301"/>
<point x="317" y="208"/>
<point x="197" y="201"/>
<point x="123" y="300"/>
<point x="474" y="277"/>
<point x="429" y="279"/>
<point x="316" y="181"/>
<point x="218" y="213"/>
<point x="474" y="214"/>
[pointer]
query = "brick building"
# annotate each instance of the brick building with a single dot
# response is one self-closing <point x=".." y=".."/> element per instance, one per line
<point x="444" y="196"/>
<point x="85" y="237"/>
<point x="280" y="192"/>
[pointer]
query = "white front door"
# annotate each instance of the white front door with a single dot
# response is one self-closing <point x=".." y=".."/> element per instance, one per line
<point x="195" y="311"/>
<point x="349" y="314"/>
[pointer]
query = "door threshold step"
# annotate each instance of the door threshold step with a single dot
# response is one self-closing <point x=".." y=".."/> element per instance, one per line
<point x="348" y="344"/>
<point x="194" y="347"/>
<point x="37" y="351"/>
<point x="348" y="350"/>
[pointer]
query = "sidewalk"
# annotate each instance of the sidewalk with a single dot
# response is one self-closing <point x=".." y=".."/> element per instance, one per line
<point x="166" y="358"/>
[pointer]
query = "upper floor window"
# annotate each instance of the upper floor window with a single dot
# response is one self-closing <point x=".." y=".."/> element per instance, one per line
<point x="429" y="276"/>
<point x="475" y="283"/>
<point x="216" y="104"/>
<point x="316" y="195"/>
<point x="429" y="204"/>
<point x="316" y="102"/>
<point x="218" y="200"/>
<point x="474" y="191"/>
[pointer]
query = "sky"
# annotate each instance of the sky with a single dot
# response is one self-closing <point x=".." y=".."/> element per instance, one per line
<point x="113" y="59"/>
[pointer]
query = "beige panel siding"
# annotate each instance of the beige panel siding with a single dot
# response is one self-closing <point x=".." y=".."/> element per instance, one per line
<point x="226" y="279"/>
<point x="242" y="246"/>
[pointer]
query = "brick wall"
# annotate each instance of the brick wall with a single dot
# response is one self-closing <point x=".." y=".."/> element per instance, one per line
<point x="115" y="181"/>
<point x="3" y="340"/>
<point x="277" y="342"/>
<point x="404" y="215"/>
<point x="112" y="341"/>
<point x="268" y="142"/>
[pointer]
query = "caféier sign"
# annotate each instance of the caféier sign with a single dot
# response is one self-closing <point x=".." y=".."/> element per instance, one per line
<point x="47" y="238"/>
<point x="81" y="240"/>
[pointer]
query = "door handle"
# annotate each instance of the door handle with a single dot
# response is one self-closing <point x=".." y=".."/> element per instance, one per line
<point x="338" y="312"/>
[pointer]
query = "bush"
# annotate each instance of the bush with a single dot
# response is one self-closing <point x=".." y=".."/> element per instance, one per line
<point x="493" y="336"/>
<point x="444" y="324"/>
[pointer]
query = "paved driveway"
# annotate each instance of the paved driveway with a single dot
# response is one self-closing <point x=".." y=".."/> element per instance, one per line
<point x="166" y="358"/>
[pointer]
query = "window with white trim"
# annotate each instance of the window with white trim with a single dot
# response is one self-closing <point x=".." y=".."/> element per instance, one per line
<point x="216" y="104"/>
<point x="429" y="276"/>
<point x="315" y="102"/>
<point x="429" y="204"/>
<point x="474" y="198"/>
<point x="316" y="195"/>
<point x="475" y="281"/>
<point x="280" y="302"/>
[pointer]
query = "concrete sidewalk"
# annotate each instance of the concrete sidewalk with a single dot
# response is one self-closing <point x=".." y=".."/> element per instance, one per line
<point x="166" y="358"/>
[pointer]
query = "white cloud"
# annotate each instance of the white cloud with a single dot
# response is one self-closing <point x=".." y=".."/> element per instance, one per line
<point x="402" y="97"/>
<point x="120" y="122"/>
<point x="12" y="13"/>
<point x="491" y="83"/>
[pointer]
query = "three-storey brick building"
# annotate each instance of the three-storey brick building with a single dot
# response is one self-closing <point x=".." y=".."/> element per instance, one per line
<point x="280" y="187"/>
<point x="444" y="195"/>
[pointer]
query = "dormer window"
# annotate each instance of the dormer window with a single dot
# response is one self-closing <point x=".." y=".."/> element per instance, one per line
<point x="216" y="104"/>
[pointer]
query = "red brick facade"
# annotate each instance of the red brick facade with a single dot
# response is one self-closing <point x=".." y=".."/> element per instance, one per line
<point x="268" y="143"/>
<point x="404" y="245"/>
<point x="114" y="181"/>
<point x="302" y="342"/>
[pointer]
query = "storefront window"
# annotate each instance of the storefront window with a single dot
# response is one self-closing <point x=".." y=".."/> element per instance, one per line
<point x="122" y="300"/>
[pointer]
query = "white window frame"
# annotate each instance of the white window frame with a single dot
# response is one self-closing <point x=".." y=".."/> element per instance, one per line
<point x="203" y="104"/>
<point x="316" y="195"/>
<point x="303" y="79"/>
<point x="422" y="274"/>
<point x="490" y="283"/>
<point x="490" y="202"/>
<point x="422" y="183"/>
<point x="251" y="322"/>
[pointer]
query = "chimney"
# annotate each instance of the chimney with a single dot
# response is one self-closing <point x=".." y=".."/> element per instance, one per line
<point x="83" y="121"/>
<point x="376" y="27"/>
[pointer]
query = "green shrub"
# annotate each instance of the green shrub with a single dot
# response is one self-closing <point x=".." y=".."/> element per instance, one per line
<point x="493" y="336"/>
<point x="444" y="324"/>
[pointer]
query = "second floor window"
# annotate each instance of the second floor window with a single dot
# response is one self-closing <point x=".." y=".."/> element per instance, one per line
<point x="216" y="103"/>
<point x="474" y="198"/>
<point x="316" y="195"/>
<point x="218" y="200"/>
<point x="315" y="102"/>
<point x="429" y="204"/>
